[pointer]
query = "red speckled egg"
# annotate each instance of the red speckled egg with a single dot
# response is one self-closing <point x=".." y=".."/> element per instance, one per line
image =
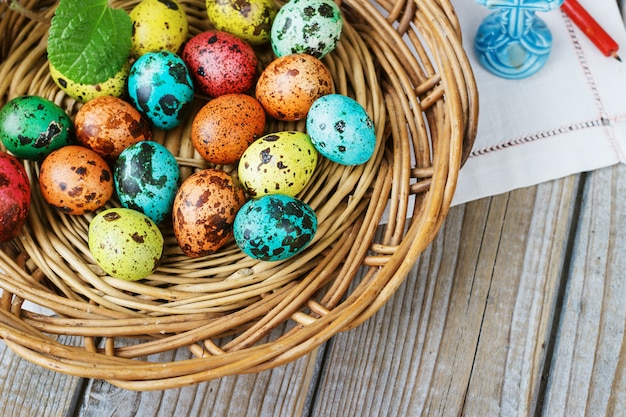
<point x="14" y="196"/>
<point x="290" y="84"/>
<point x="76" y="180"/>
<point x="108" y="125"/>
<point x="220" y="63"/>
<point x="224" y="128"/>
<point x="204" y="211"/>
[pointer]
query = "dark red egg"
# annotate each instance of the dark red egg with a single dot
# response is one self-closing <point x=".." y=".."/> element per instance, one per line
<point x="220" y="63"/>
<point x="14" y="196"/>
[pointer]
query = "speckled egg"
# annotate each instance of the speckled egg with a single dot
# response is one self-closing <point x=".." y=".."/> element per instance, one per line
<point x="220" y="63"/>
<point x="307" y="26"/>
<point x="31" y="127"/>
<point x="274" y="227"/>
<point x="108" y="125"/>
<point x="204" y="211"/>
<point x="126" y="244"/>
<point x="250" y="20"/>
<point x="146" y="178"/>
<point x="75" y="180"/>
<point x="160" y="87"/>
<point x="278" y="163"/>
<point x="341" y="129"/>
<point x="158" y="25"/>
<point x="14" y="196"/>
<point x="114" y="86"/>
<point x="224" y="127"/>
<point x="289" y="85"/>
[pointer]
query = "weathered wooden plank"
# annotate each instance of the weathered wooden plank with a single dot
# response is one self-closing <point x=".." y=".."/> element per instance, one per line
<point x="465" y="333"/>
<point x="29" y="390"/>
<point x="589" y="365"/>
<point x="279" y="392"/>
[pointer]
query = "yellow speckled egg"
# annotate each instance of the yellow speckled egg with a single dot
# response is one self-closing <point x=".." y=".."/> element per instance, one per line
<point x="204" y="211"/>
<point x="158" y="25"/>
<point x="278" y="163"/>
<point x="114" y="86"/>
<point x="125" y="243"/>
<point x="289" y="85"/>
<point x="250" y="20"/>
<point x="75" y="180"/>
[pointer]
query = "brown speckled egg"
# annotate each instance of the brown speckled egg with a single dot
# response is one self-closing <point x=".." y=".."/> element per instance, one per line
<point x="108" y="125"/>
<point x="76" y="180"/>
<point x="290" y="84"/>
<point x="204" y="211"/>
<point x="220" y="63"/>
<point x="224" y="127"/>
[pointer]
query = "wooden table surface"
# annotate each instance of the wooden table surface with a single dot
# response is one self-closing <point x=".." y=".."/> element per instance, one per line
<point x="516" y="309"/>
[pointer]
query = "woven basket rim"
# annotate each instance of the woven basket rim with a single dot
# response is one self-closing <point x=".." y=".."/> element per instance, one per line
<point x="405" y="63"/>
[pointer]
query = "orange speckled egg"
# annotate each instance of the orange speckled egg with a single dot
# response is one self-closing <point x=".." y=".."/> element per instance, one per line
<point x="204" y="211"/>
<point x="108" y="125"/>
<point x="289" y="85"/>
<point x="76" y="180"/>
<point x="224" y="127"/>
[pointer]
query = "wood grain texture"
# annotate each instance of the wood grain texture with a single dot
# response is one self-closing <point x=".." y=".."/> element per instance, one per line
<point x="28" y="390"/>
<point x="279" y="392"/>
<point x="588" y="371"/>
<point x="466" y="333"/>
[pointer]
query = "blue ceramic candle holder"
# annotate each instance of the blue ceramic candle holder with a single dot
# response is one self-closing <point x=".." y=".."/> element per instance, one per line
<point x="513" y="42"/>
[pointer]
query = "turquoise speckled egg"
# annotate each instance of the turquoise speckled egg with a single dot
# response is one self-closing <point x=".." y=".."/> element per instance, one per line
<point x="160" y="87"/>
<point x="31" y="127"/>
<point x="126" y="244"/>
<point x="146" y="178"/>
<point x="278" y="163"/>
<point x="307" y="26"/>
<point x="274" y="227"/>
<point x="341" y="130"/>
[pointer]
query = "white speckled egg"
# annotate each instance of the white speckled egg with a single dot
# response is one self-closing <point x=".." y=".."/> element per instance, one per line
<point x="341" y="129"/>
<point x="278" y="163"/>
<point x="126" y="244"/>
<point x="274" y="227"/>
<point x="307" y="26"/>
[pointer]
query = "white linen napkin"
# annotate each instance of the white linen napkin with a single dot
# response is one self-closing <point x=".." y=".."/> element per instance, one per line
<point x="569" y="117"/>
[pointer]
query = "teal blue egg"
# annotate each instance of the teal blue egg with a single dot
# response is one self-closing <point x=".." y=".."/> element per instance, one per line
<point x="146" y="178"/>
<point x="160" y="87"/>
<point x="306" y="26"/>
<point x="341" y="130"/>
<point x="274" y="227"/>
<point x="31" y="127"/>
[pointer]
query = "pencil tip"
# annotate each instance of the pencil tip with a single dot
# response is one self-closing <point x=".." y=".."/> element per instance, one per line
<point x="617" y="57"/>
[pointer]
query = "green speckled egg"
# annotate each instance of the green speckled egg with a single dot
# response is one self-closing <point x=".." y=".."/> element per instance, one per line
<point x="31" y="127"/>
<point x="274" y="227"/>
<point x="157" y="25"/>
<point x="278" y="163"/>
<point x="307" y="26"/>
<point x="126" y="244"/>
<point x="114" y="86"/>
<point x="250" y="20"/>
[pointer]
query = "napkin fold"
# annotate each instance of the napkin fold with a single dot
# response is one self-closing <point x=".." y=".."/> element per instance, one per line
<point x="567" y="118"/>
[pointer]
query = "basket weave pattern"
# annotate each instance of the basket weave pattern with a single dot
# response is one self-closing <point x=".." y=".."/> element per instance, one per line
<point x="404" y="62"/>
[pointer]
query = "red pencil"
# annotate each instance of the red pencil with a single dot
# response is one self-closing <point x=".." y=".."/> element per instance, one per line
<point x="591" y="28"/>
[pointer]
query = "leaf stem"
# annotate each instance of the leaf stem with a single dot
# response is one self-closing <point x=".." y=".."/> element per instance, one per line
<point x="18" y="8"/>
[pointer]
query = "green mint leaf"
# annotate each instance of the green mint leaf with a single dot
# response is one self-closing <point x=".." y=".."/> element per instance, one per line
<point x="89" y="41"/>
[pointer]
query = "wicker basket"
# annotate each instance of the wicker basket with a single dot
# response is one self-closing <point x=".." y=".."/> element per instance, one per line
<point x="404" y="62"/>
